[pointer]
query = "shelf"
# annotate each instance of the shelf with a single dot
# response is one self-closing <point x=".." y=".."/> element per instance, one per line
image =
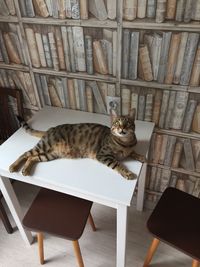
<point x="149" y="24"/>
<point x="92" y="22"/>
<point x="79" y="75"/>
<point x="14" y="67"/>
<point x="8" y="19"/>
<point x="177" y="133"/>
<point x="179" y="170"/>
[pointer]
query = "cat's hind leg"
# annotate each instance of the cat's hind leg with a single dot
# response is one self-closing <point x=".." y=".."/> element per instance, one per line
<point x="111" y="162"/>
<point x="37" y="158"/>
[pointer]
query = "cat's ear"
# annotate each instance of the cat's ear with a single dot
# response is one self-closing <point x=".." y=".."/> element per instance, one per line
<point x="113" y="114"/>
<point x="132" y="113"/>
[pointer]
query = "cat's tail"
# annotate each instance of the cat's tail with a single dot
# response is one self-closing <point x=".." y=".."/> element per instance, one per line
<point x="28" y="129"/>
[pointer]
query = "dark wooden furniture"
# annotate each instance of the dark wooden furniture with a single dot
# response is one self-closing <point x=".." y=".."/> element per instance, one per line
<point x="176" y="221"/>
<point x="61" y="215"/>
<point x="8" y="126"/>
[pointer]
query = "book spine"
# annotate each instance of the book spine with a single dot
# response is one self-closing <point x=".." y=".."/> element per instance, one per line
<point x="129" y="9"/>
<point x="141" y="107"/>
<point x="180" y="9"/>
<point x="89" y="98"/>
<point x="98" y="9"/>
<point x="82" y="94"/>
<point x="173" y="180"/>
<point x="3" y="49"/>
<point x="79" y="48"/>
<point x="32" y="45"/>
<point x="126" y="101"/>
<point x="134" y="103"/>
<point x="71" y="93"/>
<point x="112" y="9"/>
<point x="125" y="52"/>
<point x="76" y="93"/>
<point x="161" y="10"/>
<point x="171" y="9"/>
<point x="188" y="59"/>
<point x="22" y="8"/>
<point x="164" y="107"/>
<point x="44" y="84"/>
<point x="196" y="120"/>
<point x="60" y="91"/>
<point x="158" y="180"/>
<point x="157" y="107"/>
<point x="165" y="177"/>
<point x="84" y="9"/>
<point x="189" y="115"/>
<point x="11" y="50"/>
<point x="148" y="107"/>
<point x="181" y="52"/>
<point x="29" y="88"/>
<point x="68" y="9"/>
<point x="157" y="148"/>
<point x="89" y="54"/>
<point x="163" y="149"/>
<point x="47" y="51"/>
<point x="145" y="63"/>
<point x="65" y="91"/>
<point x="107" y="50"/>
<point x="43" y="8"/>
<point x="164" y="56"/>
<point x="17" y="45"/>
<point x="195" y="75"/>
<point x="71" y="49"/>
<point x="133" y="61"/>
<point x="55" y="9"/>
<point x="61" y="9"/>
<point x="75" y="7"/>
<point x="55" y="100"/>
<point x="114" y="43"/>
<point x="53" y="49"/>
<point x="141" y="9"/>
<point x="40" y="89"/>
<point x="172" y="58"/>
<point x="49" y="7"/>
<point x="156" y="53"/>
<point x="170" y="150"/>
<point x="170" y="108"/>
<point x="29" y="8"/>
<point x="99" y="58"/>
<point x="177" y="154"/>
<point x="66" y="47"/>
<point x="152" y="178"/>
<point x="196" y="10"/>
<point x="188" y="11"/>
<point x="151" y="8"/>
<point x="11" y="7"/>
<point x="189" y="155"/>
<point x="179" y="110"/>
<point x="38" y="38"/>
<point x="60" y="49"/>
<point x="98" y="97"/>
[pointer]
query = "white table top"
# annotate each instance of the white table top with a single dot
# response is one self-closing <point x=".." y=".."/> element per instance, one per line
<point x="85" y="178"/>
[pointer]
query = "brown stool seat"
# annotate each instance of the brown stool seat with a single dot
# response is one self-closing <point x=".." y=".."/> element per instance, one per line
<point x="176" y="221"/>
<point x="58" y="214"/>
<point x="61" y="215"/>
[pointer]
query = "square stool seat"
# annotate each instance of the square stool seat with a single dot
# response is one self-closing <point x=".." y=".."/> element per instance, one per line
<point x="57" y="213"/>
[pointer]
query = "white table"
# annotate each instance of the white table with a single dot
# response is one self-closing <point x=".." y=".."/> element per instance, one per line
<point x="85" y="178"/>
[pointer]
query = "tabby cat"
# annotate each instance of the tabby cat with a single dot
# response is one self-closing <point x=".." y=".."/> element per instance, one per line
<point x="84" y="140"/>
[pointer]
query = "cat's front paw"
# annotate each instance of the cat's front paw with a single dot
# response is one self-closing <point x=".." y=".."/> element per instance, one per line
<point x="25" y="172"/>
<point x="12" y="168"/>
<point x="142" y="159"/>
<point x="129" y="175"/>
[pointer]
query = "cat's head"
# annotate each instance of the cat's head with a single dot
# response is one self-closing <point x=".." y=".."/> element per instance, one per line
<point x="123" y="126"/>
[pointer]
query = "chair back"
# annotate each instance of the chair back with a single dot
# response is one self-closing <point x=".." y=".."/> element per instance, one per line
<point x="11" y="103"/>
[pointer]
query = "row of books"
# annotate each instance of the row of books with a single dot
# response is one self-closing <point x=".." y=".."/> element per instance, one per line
<point x="159" y="179"/>
<point x="11" y="44"/>
<point x="69" y="9"/>
<point x="166" y="57"/>
<point x="160" y="10"/>
<point x="73" y="49"/>
<point x="175" y="152"/>
<point x="19" y="80"/>
<point x="168" y="109"/>
<point x="7" y="8"/>
<point x="76" y="94"/>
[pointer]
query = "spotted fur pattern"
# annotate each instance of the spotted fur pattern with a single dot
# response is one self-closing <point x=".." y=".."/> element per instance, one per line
<point x="84" y="140"/>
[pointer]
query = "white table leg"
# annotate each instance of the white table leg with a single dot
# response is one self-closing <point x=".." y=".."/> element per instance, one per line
<point x="141" y="188"/>
<point x="14" y="206"/>
<point x="121" y="235"/>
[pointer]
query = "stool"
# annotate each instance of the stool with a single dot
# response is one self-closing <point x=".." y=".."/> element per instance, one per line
<point x="61" y="215"/>
<point x="176" y="221"/>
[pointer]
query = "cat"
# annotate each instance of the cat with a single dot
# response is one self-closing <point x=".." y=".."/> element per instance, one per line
<point x="84" y="140"/>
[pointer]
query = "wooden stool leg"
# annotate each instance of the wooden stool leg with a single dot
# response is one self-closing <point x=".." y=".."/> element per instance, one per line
<point x="151" y="252"/>
<point x="91" y="222"/>
<point x="78" y="253"/>
<point x="195" y="263"/>
<point x="40" y="238"/>
<point x="5" y="219"/>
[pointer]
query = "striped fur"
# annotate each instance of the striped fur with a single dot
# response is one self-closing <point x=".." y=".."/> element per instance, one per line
<point x="84" y="140"/>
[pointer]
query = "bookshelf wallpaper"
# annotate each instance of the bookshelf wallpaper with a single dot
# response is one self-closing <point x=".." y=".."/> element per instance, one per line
<point x="78" y="53"/>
